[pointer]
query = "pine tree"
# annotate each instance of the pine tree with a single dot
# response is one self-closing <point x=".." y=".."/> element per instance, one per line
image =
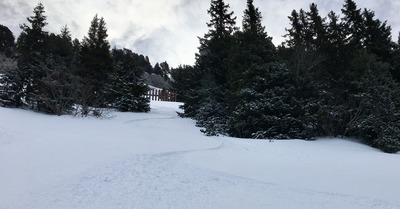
<point x="295" y="34"/>
<point x="32" y="37"/>
<point x="252" y="20"/>
<point x="353" y="25"/>
<point x="6" y="40"/>
<point x="125" y="89"/>
<point x="59" y="86"/>
<point x="166" y="71"/>
<point x="377" y="36"/>
<point x="376" y="111"/>
<point x="335" y="33"/>
<point x="96" y="59"/>
<point x="268" y="108"/>
<point x="262" y="102"/>
<point x="210" y="61"/>
<point x="214" y="47"/>
<point x="317" y="29"/>
<point x="8" y="80"/>
<point x="251" y="46"/>
<point x="182" y="78"/>
<point x="335" y="51"/>
<point x="314" y="54"/>
<point x="299" y="49"/>
<point x="255" y="35"/>
<point x="43" y="79"/>
<point x="30" y="46"/>
<point x="157" y="69"/>
<point x="207" y="96"/>
<point x="222" y="22"/>
<point x="395" y="61"/>
<point x="304" y="51"/>
<point x="66" y="46"/>
<point x="212" y="113"/>
<point x="58" y="94"/>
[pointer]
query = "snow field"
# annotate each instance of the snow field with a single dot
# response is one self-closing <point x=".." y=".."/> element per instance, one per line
<point x="158" y="160"/>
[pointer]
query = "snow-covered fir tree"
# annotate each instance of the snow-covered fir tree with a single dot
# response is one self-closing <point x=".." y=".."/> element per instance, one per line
<point x="267" y="108"/>
<point x="125" y="89"/>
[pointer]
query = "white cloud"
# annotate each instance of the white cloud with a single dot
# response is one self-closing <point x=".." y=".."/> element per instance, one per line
<point x="168" y="29"/>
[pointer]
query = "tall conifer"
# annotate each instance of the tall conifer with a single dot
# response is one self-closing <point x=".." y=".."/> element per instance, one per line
<point x="30" y="46"/>
<point x="96" y="59"/>
<point x="353" y="24"/>
<point x="214" y="47"/>
<point x="207" y="99"/>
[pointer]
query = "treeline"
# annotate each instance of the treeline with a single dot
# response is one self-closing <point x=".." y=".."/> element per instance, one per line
<point x="55" y="74"/>
<point x="333" y="76"/>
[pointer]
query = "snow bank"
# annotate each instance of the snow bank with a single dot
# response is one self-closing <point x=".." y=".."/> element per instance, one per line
<point x="158" y="160"/>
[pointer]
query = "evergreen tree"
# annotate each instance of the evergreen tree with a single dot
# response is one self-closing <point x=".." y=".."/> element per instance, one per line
<point x="6" y="40"/>
<point x="96" y="59"/>
<point x="250" y="47"/>
<point x="335" y="32"/>
<point x="377" y="36"/>
<point x="59" y="84"/>
<point x="166" y="71"/>
<point x="212" y="113"/>
<point x="43" y="79"/>
<point x="30" y="47"/>
<point x="254" y="39"/>
<point x="8" y="80"/>
<point x="7" y="91"/>
<point x="395" y="61"/>
<point x="326" y="107"/>
<point x="143" y="63"/>
<point x="214" y="47"/>
<point x="33" y="37"/>
<point x="252" y="20"/>
<point x="157" y="69"/>
<point x="299" y="50"/>
<point x="353" y="25"/>
<point x="305" y="53"/>
<point x="8" y="67"/>
<point x="299" y="35"/>
<point x="375" y="115"/>
<point x="189" y="86"/>
<point x="317" y="29"/>
<point x="125" y="89"/>
<point x="268" y="108"/>
<point x="210" y="62"/>
<point x="182" y="78"/>
<point x="309" y="53"/>
<point x="207" y="96"/>
<point x="222" y="23"/>
<point x="66" y="43"/>
<point x="335" y="55"/>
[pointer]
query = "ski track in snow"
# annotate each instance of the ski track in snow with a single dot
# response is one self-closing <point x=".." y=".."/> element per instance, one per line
<point x="174" y="175"/>
<point x="147" y="119"/>
<point x="165" y="181"/>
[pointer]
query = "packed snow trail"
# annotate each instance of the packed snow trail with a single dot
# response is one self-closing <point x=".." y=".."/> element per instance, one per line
<point x="158" y="160"/>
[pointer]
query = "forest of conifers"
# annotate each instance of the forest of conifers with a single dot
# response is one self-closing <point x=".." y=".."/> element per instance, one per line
<point x="333" y="76"/>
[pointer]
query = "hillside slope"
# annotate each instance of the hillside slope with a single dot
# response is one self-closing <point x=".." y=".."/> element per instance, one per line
<point x="158" y="160"/>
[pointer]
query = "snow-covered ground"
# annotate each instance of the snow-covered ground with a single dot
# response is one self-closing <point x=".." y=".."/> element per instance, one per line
<point x="158" y="160"/>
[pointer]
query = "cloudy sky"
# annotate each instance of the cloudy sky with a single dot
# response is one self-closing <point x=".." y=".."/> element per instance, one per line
<point x="167" y="30"/>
